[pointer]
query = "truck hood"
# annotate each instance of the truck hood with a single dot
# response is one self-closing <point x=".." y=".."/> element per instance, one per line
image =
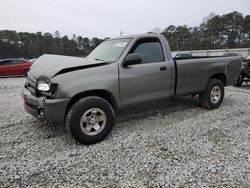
<point x="52" y="65"/>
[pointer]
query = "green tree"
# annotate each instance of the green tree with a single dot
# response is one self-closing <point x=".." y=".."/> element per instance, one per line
<point x="230" y="30"/>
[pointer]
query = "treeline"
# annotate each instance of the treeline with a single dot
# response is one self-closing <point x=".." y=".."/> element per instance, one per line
<point x="227" y="31"/>
<point x="32" y="45"/>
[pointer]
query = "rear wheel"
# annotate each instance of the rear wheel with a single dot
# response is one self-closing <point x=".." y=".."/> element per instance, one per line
<point x="90" y="119"/>
<point x="213" y="95"/>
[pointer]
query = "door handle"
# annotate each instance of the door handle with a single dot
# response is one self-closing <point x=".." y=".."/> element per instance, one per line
<point x="163" y="68"/>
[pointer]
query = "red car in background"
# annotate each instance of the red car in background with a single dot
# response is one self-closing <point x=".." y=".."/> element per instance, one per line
<point x="14" y="67"/>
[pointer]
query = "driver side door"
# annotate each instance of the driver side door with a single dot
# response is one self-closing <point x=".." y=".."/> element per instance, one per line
<point x="149" y="80"/>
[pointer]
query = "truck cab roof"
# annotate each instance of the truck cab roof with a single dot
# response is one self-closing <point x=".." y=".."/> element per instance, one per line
<point x="138" y="36"/>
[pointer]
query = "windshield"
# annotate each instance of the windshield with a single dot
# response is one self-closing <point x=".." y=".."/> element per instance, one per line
<point x="109" y="50"/>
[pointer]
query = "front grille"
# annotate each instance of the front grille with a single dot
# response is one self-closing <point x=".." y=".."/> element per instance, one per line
<point x="31" y="84"/>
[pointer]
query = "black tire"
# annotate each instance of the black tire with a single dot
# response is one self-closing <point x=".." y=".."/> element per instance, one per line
<point x="25" y="73"/>
<point x="76" y="113"/>
<point x="206" y="97"/>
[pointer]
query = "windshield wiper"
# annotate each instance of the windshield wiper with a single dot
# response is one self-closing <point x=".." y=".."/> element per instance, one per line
<point x="99" y="59"/>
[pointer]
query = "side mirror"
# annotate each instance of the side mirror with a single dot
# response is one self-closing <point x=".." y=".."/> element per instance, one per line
<point x="132" y="59"/>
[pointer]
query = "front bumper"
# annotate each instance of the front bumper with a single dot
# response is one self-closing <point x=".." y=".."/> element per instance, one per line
<point x="42" y="108"/>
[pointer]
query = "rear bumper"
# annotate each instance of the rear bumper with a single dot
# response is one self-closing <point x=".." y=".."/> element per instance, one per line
<point x="42" y="108"/>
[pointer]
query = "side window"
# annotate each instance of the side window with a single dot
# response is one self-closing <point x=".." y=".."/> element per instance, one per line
<point x="15" y="62"/>
<point x="150" y="50"/>
<point x="5" y="62"/>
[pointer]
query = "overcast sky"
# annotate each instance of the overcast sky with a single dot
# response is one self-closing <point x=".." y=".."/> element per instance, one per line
<point x="106" y="18"/>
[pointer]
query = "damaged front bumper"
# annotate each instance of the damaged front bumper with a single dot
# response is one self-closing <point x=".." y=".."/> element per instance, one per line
<point x="42" y="108"/>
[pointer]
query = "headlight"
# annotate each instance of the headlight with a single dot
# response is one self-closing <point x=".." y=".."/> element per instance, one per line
<point x="44" y="87"/>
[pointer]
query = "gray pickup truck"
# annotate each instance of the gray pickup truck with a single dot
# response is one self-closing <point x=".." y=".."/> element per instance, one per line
<point x="87" y="93"/>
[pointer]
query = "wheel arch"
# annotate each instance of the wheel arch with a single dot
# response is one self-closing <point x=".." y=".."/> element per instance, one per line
<point x="97" y="93"/>
<point x="220" y="76"/>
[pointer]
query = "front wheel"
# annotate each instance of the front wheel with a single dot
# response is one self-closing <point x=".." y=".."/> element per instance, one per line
<point x="213" y="95"/>
<point x="90" y="119"/>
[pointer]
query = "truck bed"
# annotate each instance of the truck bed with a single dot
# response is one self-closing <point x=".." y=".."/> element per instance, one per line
<point x="193" y="74"/>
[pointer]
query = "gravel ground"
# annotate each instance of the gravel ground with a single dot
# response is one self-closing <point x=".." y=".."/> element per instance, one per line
<point x="173" y="143"/>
